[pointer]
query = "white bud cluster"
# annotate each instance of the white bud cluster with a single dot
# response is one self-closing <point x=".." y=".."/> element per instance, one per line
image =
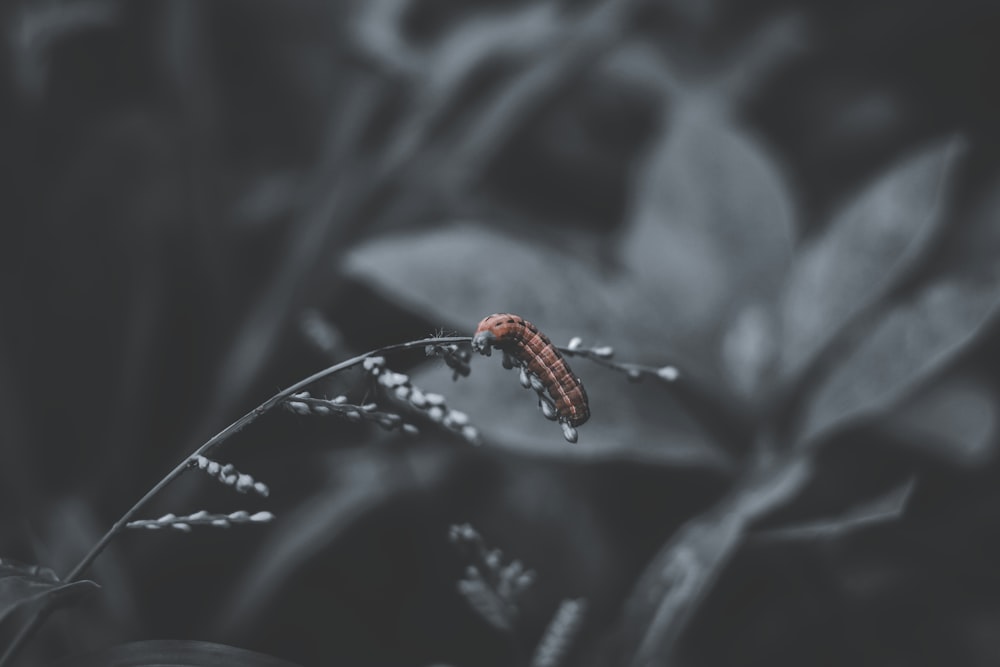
<point x="455" y="356"/>
<point x="484" y="600"/>
<point x="490" y="587"/>
<point x="433" y="405"/>
<point x="560" y="634"/>
<point x="230" y="476"/>
<point x="304" y="403"/>
<point x="202" y="518"/>
<point x="575" y="348"/>
<point x="604" y="353"/>
<point x="512" y="579"/>
<point x="373" y="365"/>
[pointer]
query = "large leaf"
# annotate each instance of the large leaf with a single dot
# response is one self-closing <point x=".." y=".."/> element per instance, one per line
<point x="914" y="340"/>
<point x="885" y="508"/>
<point x="681" y="575"/>
<point x="711" y="230"/>
<point x="460" y="275"/>
<point x="867" y="246"/>
<point x="174" y="652"/>
<point x="954" y="420"/>
<point x="711" y="221"/>
<point x="749" y="348"/>
<point x="35" y="588"/>
<point x="710" y="233"/>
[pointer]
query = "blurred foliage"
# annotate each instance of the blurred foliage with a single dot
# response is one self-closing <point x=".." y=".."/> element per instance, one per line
<point x="796" y="203"/>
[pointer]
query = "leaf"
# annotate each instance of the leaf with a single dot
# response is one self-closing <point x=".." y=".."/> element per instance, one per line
<point x="41" y="29"/>
<point x="458" y="275"/>
<point x="37" y="588"/>
<point x="885" y="508"/>
<point x="868" y="245"/>
<point x="711" y="227"/>
<point x="954" y="420"/>
<point x="749" y="347"/>
<point x="682" y="574"/>
<point x="914" y="340"/>
<point x="461" y="275"/>
<point x="174" y="652"/>
<point x="712" y="213"/>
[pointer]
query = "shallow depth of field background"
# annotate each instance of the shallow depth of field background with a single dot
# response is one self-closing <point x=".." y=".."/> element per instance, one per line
<point x="205" y="202"/>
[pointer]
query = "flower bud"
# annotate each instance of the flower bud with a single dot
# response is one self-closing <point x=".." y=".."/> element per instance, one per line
<point x="569" y="432"/>
<point x="668" y="373"/>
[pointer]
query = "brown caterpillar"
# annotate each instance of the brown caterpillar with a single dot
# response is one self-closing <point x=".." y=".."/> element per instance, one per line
<point x="524" y="342"/>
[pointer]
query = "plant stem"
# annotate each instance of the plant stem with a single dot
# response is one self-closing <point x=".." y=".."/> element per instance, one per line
<point x="28" y="629"/>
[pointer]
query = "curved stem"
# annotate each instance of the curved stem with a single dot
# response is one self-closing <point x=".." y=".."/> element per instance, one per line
<point x="234" y="428"/>
<point x="119" y="526"/>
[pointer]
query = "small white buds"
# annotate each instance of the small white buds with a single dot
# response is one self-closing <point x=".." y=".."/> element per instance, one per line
<point x="548" y="410"/>
<point x="373" y="365"/>
<point x="491" y="588"/>
<point x="560" y="634"/>
<point x="400" y="387"/>
<point x="456" y="357"/>
<point x="603" y="352"/>
<point x="569" y="432"/>
<point x="201" y="518"/>
<point x="668" y="373"/>
<point x="228" y="475"/>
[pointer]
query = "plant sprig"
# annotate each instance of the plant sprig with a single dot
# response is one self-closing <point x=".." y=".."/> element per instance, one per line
<point x="448" y="347"/>
<point x="121" y="525"/>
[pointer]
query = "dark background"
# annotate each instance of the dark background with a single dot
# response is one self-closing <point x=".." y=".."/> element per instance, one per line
<point x="794" y="202"/>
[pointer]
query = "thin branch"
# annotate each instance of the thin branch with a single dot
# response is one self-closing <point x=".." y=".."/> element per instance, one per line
<point x="237" y="426"/>
<point x="730" y="426"/>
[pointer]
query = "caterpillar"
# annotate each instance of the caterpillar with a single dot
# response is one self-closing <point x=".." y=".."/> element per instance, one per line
<point x="523" y="341"/>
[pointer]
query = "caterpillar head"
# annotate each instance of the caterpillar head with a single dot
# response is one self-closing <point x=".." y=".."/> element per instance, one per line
<point x="488" y="333"/>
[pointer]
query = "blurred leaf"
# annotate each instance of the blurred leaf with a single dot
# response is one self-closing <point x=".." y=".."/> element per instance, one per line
<point x="712" y="212"/>
<point x="175" y="652"/>
<point x="711" y="227"/>
<point x="38" y="29"/>
<point x="377" y="29"/>
<point x="866" y="248"/>
<point x="955" y="420"/>
<point x="703" y="179"/>
<point x="35" y="587"/>
<point x="681" y="575"/>
<point x="458" y="275"/>
<point x="492" y="36"/>
<point x="464" y="274"/>
<point x="887" y="507"/>
<point x="915" y="339"/>
<point x="461" y="274"/>
<point x="750" y="346"/>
